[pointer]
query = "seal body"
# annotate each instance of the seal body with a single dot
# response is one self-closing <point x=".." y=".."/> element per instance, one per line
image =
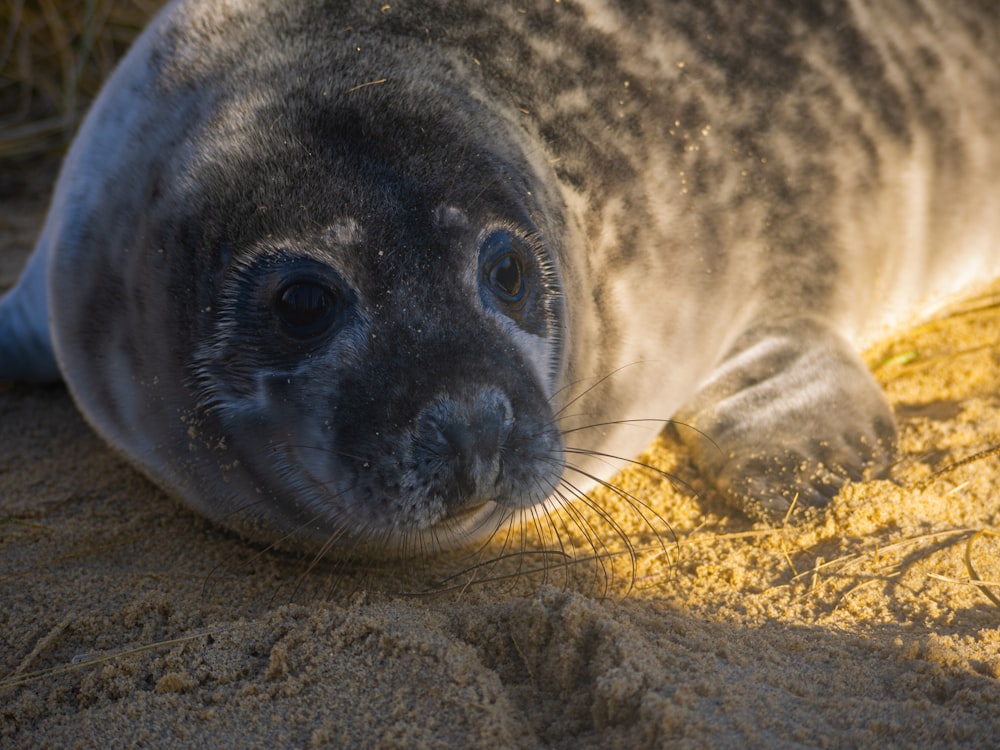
<point x="368" y="277"/>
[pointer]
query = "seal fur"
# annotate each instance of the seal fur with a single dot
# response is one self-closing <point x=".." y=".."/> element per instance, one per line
<point x="710" y="207"/>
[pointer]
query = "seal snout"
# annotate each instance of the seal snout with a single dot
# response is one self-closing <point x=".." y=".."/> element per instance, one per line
<point x="464" y="438"/>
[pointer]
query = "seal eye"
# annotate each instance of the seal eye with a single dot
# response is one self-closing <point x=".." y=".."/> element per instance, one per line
<point x="506" y="278"/>
<point x="305" y="309"/>
<point x="505" y="263"/>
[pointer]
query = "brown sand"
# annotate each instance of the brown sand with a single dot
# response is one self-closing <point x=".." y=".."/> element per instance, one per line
<point x="127" y="621"/>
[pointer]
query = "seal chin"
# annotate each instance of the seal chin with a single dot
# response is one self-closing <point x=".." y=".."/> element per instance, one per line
<point x="470" y="525"/>
<point x="464" y="515"/>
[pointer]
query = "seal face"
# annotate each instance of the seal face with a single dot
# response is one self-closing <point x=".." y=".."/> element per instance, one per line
<point x="381" y="279"/>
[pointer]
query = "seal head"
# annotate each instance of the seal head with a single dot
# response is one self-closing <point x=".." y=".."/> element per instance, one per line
<point x="325" y="314"/>
<point x="397" y="364"/>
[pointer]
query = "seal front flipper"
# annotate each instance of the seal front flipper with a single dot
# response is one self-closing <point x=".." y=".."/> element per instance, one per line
<point x="25" y="342"/>
<point x="789" y="415"/>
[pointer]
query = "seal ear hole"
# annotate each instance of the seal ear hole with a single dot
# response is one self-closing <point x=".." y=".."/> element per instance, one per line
<point x="306" y="309"/>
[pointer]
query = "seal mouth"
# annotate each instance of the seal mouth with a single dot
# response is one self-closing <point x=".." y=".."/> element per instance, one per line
<point x="464" y="514"/>
<point x="469" y="524"/>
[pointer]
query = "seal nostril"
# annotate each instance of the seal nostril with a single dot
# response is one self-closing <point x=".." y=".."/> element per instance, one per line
<point x="461" y="438"/>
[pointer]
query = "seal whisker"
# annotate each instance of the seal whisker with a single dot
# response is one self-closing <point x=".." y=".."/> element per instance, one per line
<point x="519" y="556"/>
<point x="542" y="522"/>
<point x="514" y="576"/>
<point x="484" y="558"/>
<point x="600" y="381"/>
<point x="608" y="519"/>
<point x="635" y="502"/>
<point x="643" y="509"/>
<point x="672" y="478"/>
<point x="615" y="422"/>
<point x="594" y="539"/>
<point x="529" y="516"/>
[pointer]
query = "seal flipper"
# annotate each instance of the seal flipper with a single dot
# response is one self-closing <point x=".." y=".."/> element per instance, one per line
<point x="25" y="341"/>
<point x="790" y="414"/>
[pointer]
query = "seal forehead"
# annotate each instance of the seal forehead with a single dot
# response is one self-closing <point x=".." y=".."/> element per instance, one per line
<point x="323" y="162"/>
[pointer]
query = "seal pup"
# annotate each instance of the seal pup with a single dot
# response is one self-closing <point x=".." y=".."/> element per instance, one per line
<point x="382" y="277"/>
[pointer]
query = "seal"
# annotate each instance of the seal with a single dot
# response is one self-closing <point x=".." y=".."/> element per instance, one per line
<point x="383" y="278"/>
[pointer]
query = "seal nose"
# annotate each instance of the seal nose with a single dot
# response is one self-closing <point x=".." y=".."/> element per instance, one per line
<point x="477" y="439"/>
<point x="467" y="435"/>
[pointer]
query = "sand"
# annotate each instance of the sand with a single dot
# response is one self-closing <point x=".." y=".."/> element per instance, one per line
<point x="127" y="621"/>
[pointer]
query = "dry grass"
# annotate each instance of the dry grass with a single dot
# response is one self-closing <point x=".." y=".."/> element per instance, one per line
<point x="54" y="55"/>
